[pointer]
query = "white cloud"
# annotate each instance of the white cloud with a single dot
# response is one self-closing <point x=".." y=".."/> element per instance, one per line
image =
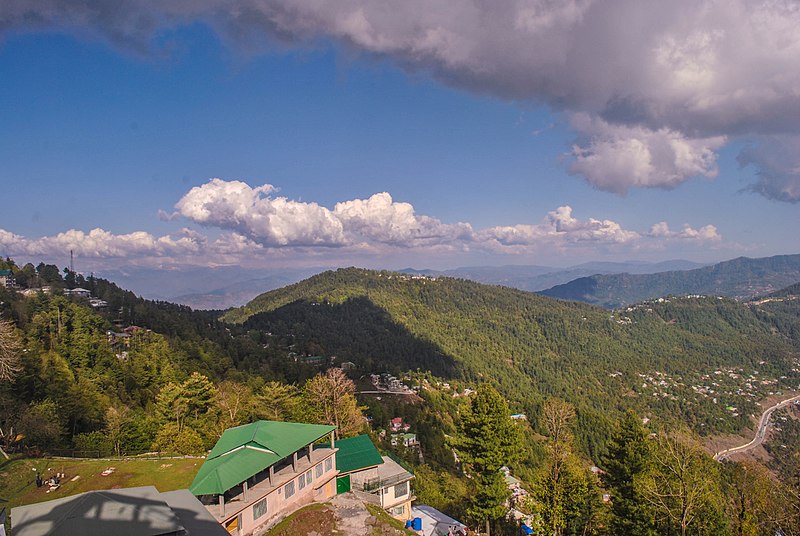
<point x="383" y="220"/>
<point x="252" y="212"/>
<point x="256" y="226"/>
<point x="615" y="158"/>
<point x="705" y="233"/>
<point x="278" y="221"/>
<point x="559" y="226"/>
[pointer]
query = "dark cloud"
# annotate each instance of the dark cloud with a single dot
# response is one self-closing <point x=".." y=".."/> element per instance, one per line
<point x="692" y="72"/>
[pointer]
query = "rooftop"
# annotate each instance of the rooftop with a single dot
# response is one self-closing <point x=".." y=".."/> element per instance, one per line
<point x="244" y="451"/>
<point x="355" y="454"/>
<point x="141" y="511"/>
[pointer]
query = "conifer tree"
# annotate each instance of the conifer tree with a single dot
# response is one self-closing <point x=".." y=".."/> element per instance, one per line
<point x="488" y="439"/>
<point x="629" y="456"/>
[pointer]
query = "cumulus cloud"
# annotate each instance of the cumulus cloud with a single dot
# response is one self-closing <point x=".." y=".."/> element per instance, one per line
<point x="252" y="223"/>
<point x="671" y="81"/>
<point x="777" y="163"/>
<point x="256" y="214"/>
<point x="99" y="243"/>
<point x="381" y="219"/>
<point x="705" y="233"/>
<point x="559" y="226"/>
<point x="615" y="158"/>
<point x="272" y="221"/>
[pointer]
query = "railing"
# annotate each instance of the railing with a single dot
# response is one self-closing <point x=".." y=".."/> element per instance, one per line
<point x="373" y="484"/>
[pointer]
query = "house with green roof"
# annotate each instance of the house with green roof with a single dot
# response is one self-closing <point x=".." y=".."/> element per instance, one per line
<point x="362" y="468"/>
<point x="261" y="470"/>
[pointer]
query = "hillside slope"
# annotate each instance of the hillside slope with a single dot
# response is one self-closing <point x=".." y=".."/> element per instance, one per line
<point x="650" y="357"/>
<point x="737" y="278"/>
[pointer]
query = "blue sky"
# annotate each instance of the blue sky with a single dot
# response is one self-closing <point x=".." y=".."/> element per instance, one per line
<point x="110" y="127"/>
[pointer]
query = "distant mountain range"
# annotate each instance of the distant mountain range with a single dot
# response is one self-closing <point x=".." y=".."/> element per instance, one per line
<point x="737" y="278"/>
<point x="534" y="278"/>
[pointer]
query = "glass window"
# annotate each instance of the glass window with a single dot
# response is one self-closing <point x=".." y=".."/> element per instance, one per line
<point x="401" y="489"/>
<point x="319" y="470"/>
<point x="328" y="464"/>
<point x="398" y="510"/>
<point x="308" y="477"/>
<point x="301" y="482"/>
<point x="259" y="508"/>
<point x="288" y="491"/>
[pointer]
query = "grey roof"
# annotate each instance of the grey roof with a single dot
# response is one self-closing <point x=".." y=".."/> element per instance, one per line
<point x="195" y="518"/>
<point x="139" y="511"/>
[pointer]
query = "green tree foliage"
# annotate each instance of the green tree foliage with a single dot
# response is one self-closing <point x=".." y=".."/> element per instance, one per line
<point x="628" y="457"/>
<point x="487" y="440"/>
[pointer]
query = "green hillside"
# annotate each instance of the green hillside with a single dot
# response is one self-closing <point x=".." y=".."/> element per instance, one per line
<point x="683" y="359"/>
<point x="737" y="278"/>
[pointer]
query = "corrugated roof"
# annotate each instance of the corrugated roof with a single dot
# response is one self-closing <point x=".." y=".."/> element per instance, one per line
<point x="244" y="451"/>
<point x="356" y="453"/>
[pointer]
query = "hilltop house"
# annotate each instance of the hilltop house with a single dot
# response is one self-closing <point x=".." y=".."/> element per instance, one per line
<point x="260" y="470"/>
<point x="139" y="511"/>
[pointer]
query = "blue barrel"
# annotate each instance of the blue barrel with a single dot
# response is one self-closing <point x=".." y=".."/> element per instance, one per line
<point x="416" y="523"/>
<point x="408" y="523"/>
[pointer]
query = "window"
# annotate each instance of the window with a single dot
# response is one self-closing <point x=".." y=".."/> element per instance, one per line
<point x="319" y="470"/>
<point x="398" y="510"/>
<point x="288" y="490"/>
<point x="308" y="477"/>
<point x="401" y="489"/>
<point x="259" y="509"/>
<point x="301" y="482"/>
<point x="328" y="464"/>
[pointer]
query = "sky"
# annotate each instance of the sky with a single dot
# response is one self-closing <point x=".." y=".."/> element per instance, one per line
<point x="423" y="133"/>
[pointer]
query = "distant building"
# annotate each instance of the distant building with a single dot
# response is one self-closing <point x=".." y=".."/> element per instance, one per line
<point x="139" y="511"/>
<point x="7" y="279"/>
<point x="264" y="469"/>
<point x="406" y="440"/>
<point x="78" y="292"/>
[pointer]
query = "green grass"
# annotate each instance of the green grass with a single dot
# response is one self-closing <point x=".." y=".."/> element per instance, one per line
<point x="298" y="523"/>
<point x="17" y="477"/>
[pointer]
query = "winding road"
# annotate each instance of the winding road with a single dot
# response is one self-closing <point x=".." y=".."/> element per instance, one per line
<point x="761" y="431"/>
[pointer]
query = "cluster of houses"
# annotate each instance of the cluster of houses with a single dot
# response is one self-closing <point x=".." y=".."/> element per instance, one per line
<point x="255" y="474"/>
<point x="400" y="434"/>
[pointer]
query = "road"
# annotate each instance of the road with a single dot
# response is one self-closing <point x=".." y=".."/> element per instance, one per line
<point x="761" y="431"/>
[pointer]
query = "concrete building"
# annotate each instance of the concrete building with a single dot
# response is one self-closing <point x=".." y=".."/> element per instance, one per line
<point x="391" y="482"/>
<point x="264" y="469"/>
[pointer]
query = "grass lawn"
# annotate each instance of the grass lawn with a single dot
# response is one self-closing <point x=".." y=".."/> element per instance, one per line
<point x="18" y="477"/>
<point x="316" y="517"/>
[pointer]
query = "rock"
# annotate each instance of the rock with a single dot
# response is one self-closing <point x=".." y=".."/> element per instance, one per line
<point x="371" y="521"/>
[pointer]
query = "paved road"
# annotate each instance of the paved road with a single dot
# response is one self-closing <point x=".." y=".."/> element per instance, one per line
<point x="761" y="431"/>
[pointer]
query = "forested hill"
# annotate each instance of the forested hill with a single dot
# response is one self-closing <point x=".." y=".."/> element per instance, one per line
<point x="737" y="278"/>
<point x="679" y="359"/>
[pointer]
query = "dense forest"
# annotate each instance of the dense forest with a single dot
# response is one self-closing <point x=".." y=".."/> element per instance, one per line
<point x="737" y="278"/>
<point x="685" y="360"/>
<point x="116" y="374"/>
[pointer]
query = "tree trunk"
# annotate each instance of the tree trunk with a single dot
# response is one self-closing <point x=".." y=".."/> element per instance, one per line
<point x="487" y="527"/>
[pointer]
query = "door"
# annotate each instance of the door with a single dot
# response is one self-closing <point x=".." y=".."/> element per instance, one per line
<point x="342" y="484"/>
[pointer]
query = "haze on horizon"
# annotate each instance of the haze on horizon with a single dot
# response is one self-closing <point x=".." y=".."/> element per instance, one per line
<point x="271" y="135"/>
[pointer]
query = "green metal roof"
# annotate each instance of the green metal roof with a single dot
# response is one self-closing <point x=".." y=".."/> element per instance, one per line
<point x="356" y="453"/>
<point x="247" y="450"/>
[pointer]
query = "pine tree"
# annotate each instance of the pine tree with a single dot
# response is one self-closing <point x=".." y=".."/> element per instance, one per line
<point x="488" y="439"/>
<point x="629" y="456"/>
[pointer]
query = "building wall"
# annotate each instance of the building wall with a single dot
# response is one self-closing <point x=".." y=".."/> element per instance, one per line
<point x="396" y="500"/>
<point x="298" y="492"/>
